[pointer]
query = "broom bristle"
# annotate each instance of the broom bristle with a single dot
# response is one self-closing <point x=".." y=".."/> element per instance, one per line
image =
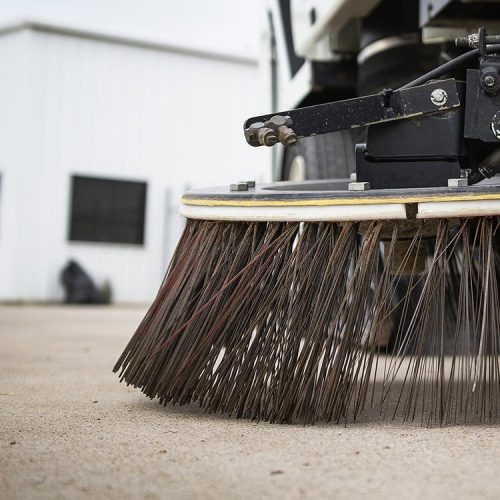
<point x="290" y="321"/>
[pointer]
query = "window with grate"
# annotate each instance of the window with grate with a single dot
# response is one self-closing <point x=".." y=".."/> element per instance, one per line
<point x="107" y="210"/>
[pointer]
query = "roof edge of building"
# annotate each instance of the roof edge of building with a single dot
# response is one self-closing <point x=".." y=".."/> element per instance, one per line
<point x="121" y="39"/>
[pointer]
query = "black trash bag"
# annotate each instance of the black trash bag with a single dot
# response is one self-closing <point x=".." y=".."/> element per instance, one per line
<point x="78" y="285"/>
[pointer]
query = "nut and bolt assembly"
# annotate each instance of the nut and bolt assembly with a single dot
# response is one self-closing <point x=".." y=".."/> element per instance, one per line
<point x="261" y="134"/>
<point x="489" y="81"/>
<point x="282" y="124"/>
<point x="462" y="182"/>
<point x="495" y="125"/>
<point x="242" y="186"/>
<point x="358" y="186"/>
<point x="239" y="186"/>
<point x="277" y="128"/>
<point x="267" y="137"/>
<point x="439" y="97"/>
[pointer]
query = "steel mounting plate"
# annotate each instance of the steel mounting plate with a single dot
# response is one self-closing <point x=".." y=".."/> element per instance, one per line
<point x="330" y="200"/>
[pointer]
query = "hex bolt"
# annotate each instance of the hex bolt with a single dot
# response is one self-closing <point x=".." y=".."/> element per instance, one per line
<point x="251" y="133"/>
<point x="358" y="186"/>
<point x="267" y="136"/>
<point x="455" y="183"/>
<point x="439" y="97"/>
<point x="250" y="184"/>
<point x="278" y="121"/>
<point x="489" y="81"/>
<point x="239" y="186"/>
<point x="282" y="124"/>
<point x="473" y="40"/>
<point x="495" y="125"/>
<point x="469" y="42"/>
<point x="287" y="136"/>
<point x="268" y="133"/>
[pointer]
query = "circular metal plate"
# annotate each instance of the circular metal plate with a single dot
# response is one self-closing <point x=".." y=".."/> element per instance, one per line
<point x="330" y="200"/>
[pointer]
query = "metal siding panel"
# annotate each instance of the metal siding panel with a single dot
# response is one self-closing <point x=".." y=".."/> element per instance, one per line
<point x="15" y="136"/>
<point x="129" y="113"/>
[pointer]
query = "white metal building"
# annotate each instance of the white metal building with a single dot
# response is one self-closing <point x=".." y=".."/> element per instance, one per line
<point x="78" y="107"/>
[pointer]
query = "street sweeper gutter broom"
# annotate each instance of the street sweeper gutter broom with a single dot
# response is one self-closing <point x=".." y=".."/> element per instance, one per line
<point x="316" y="300"/>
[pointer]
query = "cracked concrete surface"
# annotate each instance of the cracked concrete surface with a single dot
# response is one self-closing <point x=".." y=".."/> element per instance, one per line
<point x="68" y="429"/>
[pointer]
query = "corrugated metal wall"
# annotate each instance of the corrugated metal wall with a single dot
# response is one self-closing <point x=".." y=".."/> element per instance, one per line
<point x="71" y="105"/>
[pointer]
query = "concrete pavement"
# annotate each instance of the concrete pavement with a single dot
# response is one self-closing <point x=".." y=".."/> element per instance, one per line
<point x="68" y="429"/>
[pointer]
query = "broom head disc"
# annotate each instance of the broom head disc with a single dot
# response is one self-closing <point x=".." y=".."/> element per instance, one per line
<point x="330" y="200"/>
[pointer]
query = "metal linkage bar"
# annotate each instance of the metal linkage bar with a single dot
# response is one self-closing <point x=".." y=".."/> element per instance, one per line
<point x="288" y="126"/>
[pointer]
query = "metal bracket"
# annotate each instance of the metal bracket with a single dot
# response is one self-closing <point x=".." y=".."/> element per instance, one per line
<point x="352" y="113"/>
